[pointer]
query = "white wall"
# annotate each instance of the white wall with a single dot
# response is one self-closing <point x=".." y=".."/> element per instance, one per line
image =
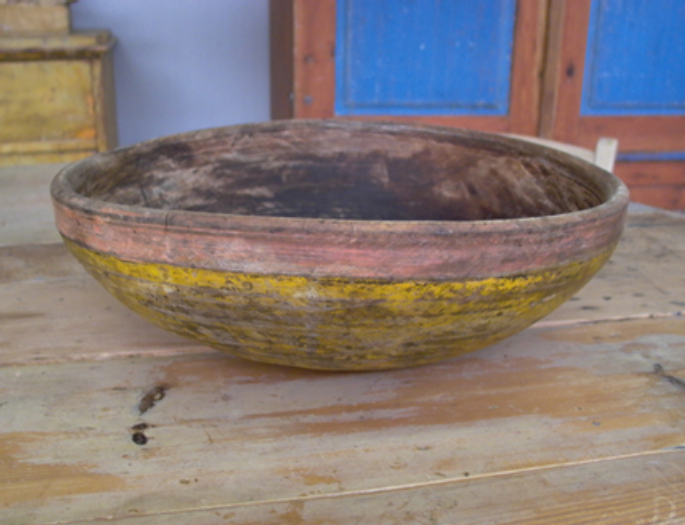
<point x="181" y="65"/>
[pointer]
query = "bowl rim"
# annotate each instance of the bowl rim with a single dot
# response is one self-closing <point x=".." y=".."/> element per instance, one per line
<point x="63" y="192"/>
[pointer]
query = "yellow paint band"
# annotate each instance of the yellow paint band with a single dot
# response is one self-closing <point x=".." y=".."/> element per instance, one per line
<point x="333" y="322"/>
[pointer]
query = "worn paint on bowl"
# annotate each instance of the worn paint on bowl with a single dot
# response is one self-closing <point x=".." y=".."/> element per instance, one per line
<point x="340" y="245"/>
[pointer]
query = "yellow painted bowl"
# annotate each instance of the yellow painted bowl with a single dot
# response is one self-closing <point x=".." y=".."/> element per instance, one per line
<point x="340" y="245"/>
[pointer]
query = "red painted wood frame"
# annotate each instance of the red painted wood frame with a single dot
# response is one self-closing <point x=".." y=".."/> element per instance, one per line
<point x="659" y="183"/>
<point x="569" y="20"/>
<point x="303" y="67"/>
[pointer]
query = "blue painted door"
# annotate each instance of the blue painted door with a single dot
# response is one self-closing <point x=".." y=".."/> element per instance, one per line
<point x="633" y="83"/>
<point x="635" y="77"/>
<point x="621" y="73"/>
<point x="468" y="63"/>
<point x="424" y="57"/>
<point x="635" y="58"/>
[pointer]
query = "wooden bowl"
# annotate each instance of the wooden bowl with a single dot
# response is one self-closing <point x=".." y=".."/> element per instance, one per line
<point x="340" y="245"/>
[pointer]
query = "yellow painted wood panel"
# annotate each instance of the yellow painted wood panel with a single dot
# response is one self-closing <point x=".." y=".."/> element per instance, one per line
<point x="24" y="18"/>
<point x="47" y="100"/>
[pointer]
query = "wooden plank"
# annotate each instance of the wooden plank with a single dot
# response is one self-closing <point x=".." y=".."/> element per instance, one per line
<point x="569" y="72"/>
<point x="72" y="318"/>
<point x="529" y="45"/>
<point x="25" y="207"/>
<point x="656" y="183"/>
<point x="651" y="173"/>
<point x="638" y="490"/>
<point x="669" y="197"/>
<point x="282" y="51"/>
<point x="551" y="73"/>
<point x="223" y="432"/>
<point x="314" y="58"/>
<point x="638" y="133"/>
<point x="582" y="412"/>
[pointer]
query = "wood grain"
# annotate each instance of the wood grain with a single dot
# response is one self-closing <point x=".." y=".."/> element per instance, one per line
<point x="670" y="197"/>
<point x="314" y="58"/>
<point x="660" y="184"/>
<point x="551" y="67"/>
<point x="250" y="432"/>
<point x="569" y="69"/>
<point x="628" y="490"/>
<point x="527" y="64"/>
<point x="651" y="173"/>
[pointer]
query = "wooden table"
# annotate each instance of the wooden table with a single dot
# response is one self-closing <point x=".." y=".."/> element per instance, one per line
<point x="579" y="419"/>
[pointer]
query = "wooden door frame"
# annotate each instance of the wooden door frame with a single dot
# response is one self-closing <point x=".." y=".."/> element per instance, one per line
<point x="563" y="87"/>
<point x="303" y="34"/>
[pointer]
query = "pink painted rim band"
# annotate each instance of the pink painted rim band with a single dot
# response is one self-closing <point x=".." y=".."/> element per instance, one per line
<point x="442" y="250"/>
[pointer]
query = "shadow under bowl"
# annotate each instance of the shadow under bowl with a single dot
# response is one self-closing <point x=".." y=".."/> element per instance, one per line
<point x="340" y="245"/>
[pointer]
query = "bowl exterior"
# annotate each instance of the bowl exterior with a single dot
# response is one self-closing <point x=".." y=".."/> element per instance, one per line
<point x="336" y="294"/>
<point x="334" y="323"/>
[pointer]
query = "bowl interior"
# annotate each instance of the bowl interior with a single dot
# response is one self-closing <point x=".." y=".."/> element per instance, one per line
<point x="347" y="171"/>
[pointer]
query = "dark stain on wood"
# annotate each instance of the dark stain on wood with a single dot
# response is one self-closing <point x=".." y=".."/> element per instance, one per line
<point x="675" y="381"/>
<point x="139" y="438"/>
<point x="570" y="70"/>
<point x="152" y="397"/>
<point x="339" y="173"/>
<point x="19" y="316"/>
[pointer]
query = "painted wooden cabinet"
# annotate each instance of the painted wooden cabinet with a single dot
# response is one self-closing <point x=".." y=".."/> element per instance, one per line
<point x="56" y="87"/>
<point x="571" y="70"/>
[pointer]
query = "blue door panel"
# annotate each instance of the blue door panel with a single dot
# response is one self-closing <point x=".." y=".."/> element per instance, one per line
<point x="635" y="62"/>
<point x="424" y="57"/>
